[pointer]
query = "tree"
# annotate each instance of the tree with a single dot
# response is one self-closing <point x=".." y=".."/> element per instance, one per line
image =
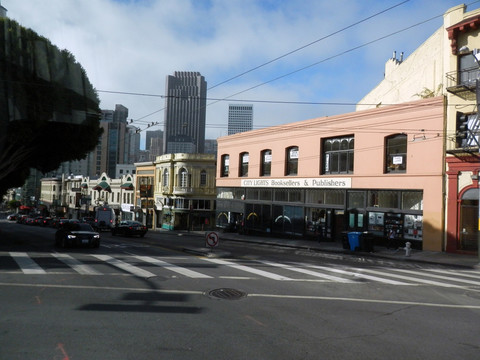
<point x="49" y="111"/>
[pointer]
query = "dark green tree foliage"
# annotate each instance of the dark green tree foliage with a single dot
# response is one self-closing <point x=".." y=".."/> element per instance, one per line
<point x="49" y="111"/>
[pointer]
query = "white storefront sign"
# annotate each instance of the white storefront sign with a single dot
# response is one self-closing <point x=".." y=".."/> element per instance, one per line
<point x="312" y="183"/>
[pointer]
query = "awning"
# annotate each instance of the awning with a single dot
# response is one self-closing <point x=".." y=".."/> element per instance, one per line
<point x="23" y="207"/>
<point x="127" y="186"/>
<point x="84" y="186"/>
<point x="103" y="186"/>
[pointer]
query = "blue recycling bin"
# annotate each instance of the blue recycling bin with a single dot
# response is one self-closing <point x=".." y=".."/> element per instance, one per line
<point x="354" y="240"/>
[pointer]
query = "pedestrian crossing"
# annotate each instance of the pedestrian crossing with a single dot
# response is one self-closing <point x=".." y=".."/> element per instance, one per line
<point x="211" y="268"/>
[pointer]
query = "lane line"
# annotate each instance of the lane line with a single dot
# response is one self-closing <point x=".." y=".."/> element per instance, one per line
<point x="125" y="266"/>
<point x="26" y="264"/>
<point x="272" y="296"/>
<point x="172" y="267"/>
<point x="76" y="265"/>
<point x="249" y="269"/>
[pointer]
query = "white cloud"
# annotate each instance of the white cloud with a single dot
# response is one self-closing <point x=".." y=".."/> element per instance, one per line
<point x="131" y="46"/>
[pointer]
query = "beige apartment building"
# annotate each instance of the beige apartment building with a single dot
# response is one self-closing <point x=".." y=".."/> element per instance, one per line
<point x="445" y="65"/>
<point x="375" y="170"/>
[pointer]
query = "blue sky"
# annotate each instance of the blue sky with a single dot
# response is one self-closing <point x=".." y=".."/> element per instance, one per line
<point x="129" y="46"/>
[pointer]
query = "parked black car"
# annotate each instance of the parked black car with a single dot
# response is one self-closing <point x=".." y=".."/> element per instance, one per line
<point x="129" y="227"/>
<point x="77" y="234"/>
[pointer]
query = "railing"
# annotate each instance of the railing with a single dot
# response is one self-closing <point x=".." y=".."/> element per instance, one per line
<point x="462" y="82"/>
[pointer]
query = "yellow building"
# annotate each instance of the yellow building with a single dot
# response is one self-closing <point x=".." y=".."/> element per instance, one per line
<point x="445" y="64"/>
<point x="184" y="191"/>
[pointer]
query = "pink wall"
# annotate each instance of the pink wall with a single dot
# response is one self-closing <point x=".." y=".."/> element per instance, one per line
<point x="425" y="160"/>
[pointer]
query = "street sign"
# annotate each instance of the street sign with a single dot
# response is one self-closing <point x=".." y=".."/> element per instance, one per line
<point x="211" y="239"/>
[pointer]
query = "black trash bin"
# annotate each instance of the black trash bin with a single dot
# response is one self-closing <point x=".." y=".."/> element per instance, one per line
<point x="366" y="241"/>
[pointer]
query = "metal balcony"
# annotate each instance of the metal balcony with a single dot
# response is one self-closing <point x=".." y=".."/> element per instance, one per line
<point x="463" y="83"/>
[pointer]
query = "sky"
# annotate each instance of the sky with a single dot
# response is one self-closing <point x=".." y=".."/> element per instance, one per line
<point x="293" y="60"/>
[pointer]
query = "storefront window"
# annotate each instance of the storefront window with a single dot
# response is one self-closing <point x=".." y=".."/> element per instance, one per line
<point x="383" y="198"/>
<point x="356" y="199"/>
<point x="412" y="200"/>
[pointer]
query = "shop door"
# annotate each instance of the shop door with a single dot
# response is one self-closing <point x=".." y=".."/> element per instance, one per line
<point x="356" y="220"/>
<point x="468" y="237"/>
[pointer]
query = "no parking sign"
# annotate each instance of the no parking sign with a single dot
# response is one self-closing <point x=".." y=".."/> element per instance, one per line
<point x="211" y="239"/>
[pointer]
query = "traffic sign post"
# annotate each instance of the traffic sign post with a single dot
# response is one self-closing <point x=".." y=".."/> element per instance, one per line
<point x="211" y="239"/>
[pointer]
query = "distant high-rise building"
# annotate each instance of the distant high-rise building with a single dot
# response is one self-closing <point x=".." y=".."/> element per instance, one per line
<point x="240" y="118"/>
<point x="152" y="134"/>
<point x="185" y="110"/>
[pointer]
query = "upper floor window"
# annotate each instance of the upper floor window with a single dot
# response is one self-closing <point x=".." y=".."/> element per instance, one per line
<point x="203" y="178"/>
<point x="243" y="168"/>
<point x="396" y="153"/>
<point x="225" y="165"/>
<point x="468" y="71"/>
<point x="291" y="164"/>
<point x="165" y="177"/>
<point x="338" y="155"/>
<point x="266" y="163"/>
<point x="183" y="178"/>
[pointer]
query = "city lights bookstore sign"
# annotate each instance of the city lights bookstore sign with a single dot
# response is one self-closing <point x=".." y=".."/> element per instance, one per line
<point x="311" y="183"/>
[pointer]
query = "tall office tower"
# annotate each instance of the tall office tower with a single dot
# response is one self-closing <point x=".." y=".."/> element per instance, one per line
<point x="134" y="147"/>
<point x="152" y="134"/>
<point x="3" y="11"/>
<point x="240" y="118"/>
<point x="114" y="144"/>
<point x="185" y="109"/>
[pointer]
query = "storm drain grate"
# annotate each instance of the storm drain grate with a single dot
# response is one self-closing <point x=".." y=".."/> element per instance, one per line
<point x="227" y="294"/>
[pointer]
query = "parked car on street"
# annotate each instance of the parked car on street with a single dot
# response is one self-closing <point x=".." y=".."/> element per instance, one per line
<point x="12" y="217"/>
<point x="129" y="227"/>
<point x="21" y="219"/>
<point x="77" y="234"/>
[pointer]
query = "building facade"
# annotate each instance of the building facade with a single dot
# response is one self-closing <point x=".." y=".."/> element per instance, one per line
<point x="240" y="118"/>
<point x="185" y="191"/>
<point x="445" y="65"/>
<point x="185" y="112"/>
<point x="371" y="170"/>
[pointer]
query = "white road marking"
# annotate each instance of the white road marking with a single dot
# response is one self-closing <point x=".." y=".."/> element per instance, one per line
<point x="125" y="266"/>
<point x="249" y="269"/>
<point x="455" y="279"/>
<point x="76" y="265"/>
<point x="26" y="264"/>
<point x="173" y="267"/>
<point x="356" y="274"/>
<point x="308" y="272"/>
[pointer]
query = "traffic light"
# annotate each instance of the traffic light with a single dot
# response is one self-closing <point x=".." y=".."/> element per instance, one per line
<point x="462" y="129"/>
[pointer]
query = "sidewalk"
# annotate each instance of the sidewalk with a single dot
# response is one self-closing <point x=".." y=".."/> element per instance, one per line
<point x="429" y="257"/>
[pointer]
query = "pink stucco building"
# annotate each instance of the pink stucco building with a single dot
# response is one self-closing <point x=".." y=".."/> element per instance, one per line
<point x="376" y="170"/>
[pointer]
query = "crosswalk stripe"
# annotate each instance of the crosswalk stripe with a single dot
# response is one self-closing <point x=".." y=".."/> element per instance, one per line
<point x="414" y="279"/>
<point x="26" y="264"/>
<point x="76" y="265"/>
<point x="248" y="269"/>
<point x="357" y="274"/>
<point x="308" y="272"/>
<point x="125" y="266"/>
<point x="465" y="281"/>
<point x="473" y="275"/>
<point x="173" y="267"/>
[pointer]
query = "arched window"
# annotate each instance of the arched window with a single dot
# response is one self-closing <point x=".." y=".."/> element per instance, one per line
<point x="183" y="178"/>
<point x="266" y="163"/>
<point x="225" y="165"/>
<point x="396" y="153"/>
<point x="203" y="178"/>
<point x="243" y="168"/>
<point x="165" y="178"/>
<point x="338" y="155"/>
<point x="291" y="162"/>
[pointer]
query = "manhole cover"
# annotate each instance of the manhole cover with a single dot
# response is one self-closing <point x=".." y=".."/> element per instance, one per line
<point x="227" y="294"/>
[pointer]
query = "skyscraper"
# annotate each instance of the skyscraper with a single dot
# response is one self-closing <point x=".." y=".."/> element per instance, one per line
<point x="185" y="109"/>
<point x="240" y="118"/>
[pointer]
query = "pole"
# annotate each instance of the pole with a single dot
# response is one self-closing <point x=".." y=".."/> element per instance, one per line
<point x="477" y="88"/>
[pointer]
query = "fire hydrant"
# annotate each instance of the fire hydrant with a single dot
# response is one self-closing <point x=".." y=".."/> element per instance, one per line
<point x="408" y="248"/>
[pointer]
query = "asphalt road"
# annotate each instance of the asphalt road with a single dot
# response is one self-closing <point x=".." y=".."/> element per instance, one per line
<point x="150" y="299"/>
